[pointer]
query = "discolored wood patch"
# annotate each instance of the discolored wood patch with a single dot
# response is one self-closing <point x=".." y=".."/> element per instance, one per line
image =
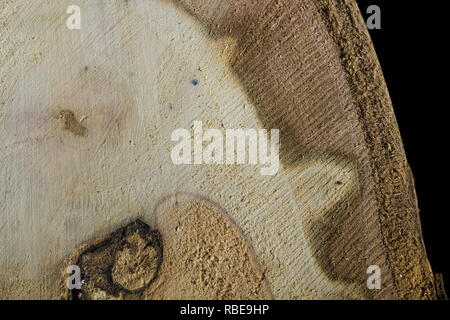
<point x="71" y="123"/>
<point x="205" y="256"/>
<point x="125" y="263"/>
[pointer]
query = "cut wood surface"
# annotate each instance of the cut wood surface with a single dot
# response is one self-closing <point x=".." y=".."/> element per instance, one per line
<point x="86" y="118"/>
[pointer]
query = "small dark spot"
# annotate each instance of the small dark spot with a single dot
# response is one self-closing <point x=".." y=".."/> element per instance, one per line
<point x="338" y="183"/>
<point x="70" y="123"/>
<point x="194" y="82"/>
<point x="86" y="68"/>
<point x="170" y="107"/>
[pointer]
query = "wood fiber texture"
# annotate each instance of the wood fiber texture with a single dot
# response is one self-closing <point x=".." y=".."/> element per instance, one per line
<point x="86" y="118"/>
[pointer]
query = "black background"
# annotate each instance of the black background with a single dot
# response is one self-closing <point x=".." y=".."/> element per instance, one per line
<point x="164" y="309"/>
<point x="412" y="49"/>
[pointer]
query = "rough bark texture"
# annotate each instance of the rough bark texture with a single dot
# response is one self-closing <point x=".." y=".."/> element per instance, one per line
<point x="394" y="183"/>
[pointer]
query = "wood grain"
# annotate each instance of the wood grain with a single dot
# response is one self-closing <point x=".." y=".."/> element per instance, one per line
<point x="86" y="118"/>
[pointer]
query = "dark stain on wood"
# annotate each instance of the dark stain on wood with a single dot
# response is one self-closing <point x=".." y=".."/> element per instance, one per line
<point x="71" y="123"/>
<point x="97" y="263"/>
